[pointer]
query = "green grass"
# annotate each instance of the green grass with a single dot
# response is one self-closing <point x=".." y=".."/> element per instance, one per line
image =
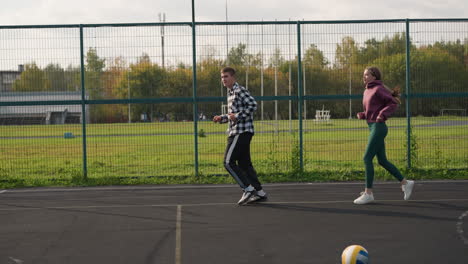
<point x="183" y="127"/>
<point x="162" y="153"/>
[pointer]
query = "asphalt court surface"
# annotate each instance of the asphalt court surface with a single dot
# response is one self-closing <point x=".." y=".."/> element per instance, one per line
<point x="300" y="223"/>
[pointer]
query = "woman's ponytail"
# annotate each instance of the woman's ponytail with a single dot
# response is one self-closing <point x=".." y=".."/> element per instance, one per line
<point x="395" y="92"/>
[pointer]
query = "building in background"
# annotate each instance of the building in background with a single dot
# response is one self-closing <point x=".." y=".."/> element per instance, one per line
<point x="41" y="114"/>
<point x="7" y="78"/>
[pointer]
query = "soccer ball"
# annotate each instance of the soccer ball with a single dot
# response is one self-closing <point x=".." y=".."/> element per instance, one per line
<point x="355" y="254"/>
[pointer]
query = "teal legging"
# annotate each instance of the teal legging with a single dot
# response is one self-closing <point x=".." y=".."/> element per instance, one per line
<point x="376" y="146"/>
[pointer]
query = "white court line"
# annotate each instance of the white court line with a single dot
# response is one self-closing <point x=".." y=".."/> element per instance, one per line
<point x="29" y="207"/>
<point x="3" y="191"/>
<point x="18" y="261"/>
<point x="460" y="228"/>
<point x="178" y="246"/>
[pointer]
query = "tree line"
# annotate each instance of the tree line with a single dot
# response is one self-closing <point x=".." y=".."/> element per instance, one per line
<point x="441" y="67"/>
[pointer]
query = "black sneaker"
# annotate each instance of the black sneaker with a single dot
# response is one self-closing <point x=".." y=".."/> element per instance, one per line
<point x="245" y="198"/>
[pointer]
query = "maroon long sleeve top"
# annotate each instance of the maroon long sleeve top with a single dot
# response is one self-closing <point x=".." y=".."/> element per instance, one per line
<point x="378" y="103"/>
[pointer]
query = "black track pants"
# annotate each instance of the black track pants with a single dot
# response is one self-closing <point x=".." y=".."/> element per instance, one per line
<point x="238" y="163"/>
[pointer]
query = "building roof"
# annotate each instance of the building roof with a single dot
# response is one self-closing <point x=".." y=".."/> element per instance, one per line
<point x="38" y="96"/>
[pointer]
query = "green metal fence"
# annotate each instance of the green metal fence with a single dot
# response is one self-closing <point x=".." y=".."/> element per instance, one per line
<point x="126" y="100"/>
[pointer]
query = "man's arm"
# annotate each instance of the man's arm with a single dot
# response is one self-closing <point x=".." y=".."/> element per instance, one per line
<point x="221" y="119"/>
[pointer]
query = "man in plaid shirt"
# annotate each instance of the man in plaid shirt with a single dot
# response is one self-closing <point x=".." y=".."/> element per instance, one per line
<point x="237" y="161"/>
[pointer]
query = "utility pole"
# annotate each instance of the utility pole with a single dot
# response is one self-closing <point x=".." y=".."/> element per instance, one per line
<point x="350" y="110"/>
<point x="227" y="56"/>
<point x="129" y="105"/>
<point x="162" y="19"/>
<point x="227" y="35"/>
<point x="248" y="61"/>
<point x="290" y="75"/>
<point x="276" y="58"/>
<point x="350" y="55"/>
<point x="261" y="75"/>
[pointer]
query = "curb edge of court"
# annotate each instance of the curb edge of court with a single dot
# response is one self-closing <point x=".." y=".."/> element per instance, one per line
<point x="205" y="186"/>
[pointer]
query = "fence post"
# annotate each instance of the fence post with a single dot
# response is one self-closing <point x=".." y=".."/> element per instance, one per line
<point x="408" y="96"/>
<point x="300" y="95"/>
<point x="194" y="84"/>
<point x="83" y="105"/>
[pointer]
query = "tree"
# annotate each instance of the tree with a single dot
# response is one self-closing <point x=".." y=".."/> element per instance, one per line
<point x="56" y="77"/>
<point x="238" y="56"/>
<point x="277" y="58"/>
<point x="455" y="48"/>
<point x="375" y="49"/>
<point x="93" y="84"/>
<point x="73" y="78"/>
<point x="111" y="79"/>
<point x="393" y="45"/>
<point x="346" y="53"/>
<point x="32" y="79"/>
<point x="208" y="77"/>
<point x="113" y="76"/>
<point x="432" y="71"/>
<point x="94" y="69"/>
<point x="314" y="57"/>
<point x="143" y="80"/>
<point x="178" y="84"/>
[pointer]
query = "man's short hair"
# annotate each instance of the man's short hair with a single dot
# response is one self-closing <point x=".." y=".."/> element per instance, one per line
<point x="229" y="70"/>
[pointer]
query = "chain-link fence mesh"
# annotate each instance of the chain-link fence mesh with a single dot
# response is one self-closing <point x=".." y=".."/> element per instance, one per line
<point x="118" y="100"/>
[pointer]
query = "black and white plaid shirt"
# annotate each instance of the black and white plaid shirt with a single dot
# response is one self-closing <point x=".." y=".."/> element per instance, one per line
<point x="243" y="105"/>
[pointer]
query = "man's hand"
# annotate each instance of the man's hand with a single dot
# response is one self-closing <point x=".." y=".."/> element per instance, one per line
<point x="217" y="119"/>
<point x="232" y="117"/>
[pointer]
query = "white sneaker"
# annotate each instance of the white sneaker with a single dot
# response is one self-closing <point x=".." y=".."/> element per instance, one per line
<point x="259" y="196"/>
<point x="261" y="193"/>
<point x="364" y="198"/>
<point x="407" y="189"/>
<point x="245" y="197"/>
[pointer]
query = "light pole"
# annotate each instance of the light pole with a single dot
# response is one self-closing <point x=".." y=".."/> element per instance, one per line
<point x="350" y="114"/>
<point x="289" y="85"/>
<point x="227" y="35"/>
<point x="227" y="54"/>
<point x="277" y="54"/>
<point x="162" y="18"/>
<point x="129" y="105"/>
<point x="261" y="74"/>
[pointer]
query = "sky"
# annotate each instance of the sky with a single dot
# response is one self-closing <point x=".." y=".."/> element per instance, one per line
<point x="45" y="46"/>
<point x="41" y="12"/>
